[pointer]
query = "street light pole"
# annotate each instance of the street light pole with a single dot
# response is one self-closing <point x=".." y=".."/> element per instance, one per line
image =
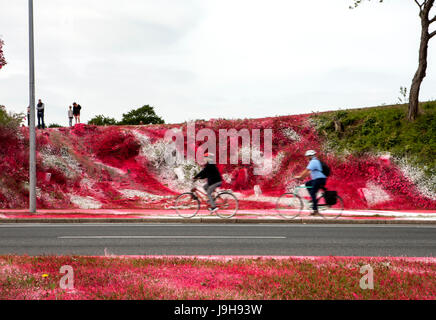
<point x="32" y="136"/>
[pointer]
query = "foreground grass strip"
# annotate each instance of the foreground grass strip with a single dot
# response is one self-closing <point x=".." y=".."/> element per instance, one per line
<point x="24" y="277"/>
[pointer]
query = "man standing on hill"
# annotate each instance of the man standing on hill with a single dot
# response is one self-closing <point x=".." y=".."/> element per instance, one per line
<point x="28" y="116"/>
<point x="40" y="112"/>
<point x="319" y="179"/>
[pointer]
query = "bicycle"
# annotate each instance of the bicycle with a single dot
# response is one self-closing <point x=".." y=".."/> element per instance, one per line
<point x="290" y="204"/>
<point x="188" y="204"/>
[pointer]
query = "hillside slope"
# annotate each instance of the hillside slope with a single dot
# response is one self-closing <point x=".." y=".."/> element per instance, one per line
<point x="123" y="166"/>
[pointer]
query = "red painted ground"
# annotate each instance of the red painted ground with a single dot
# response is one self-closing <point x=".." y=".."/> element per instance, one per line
<point x="122" y="167"/>
<point x="164" y="214"/>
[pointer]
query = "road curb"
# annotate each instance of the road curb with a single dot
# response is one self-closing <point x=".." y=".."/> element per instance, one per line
<point x="213" y="221"/>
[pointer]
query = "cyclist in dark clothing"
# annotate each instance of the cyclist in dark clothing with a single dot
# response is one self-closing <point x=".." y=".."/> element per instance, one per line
<point x="214" y="180"/>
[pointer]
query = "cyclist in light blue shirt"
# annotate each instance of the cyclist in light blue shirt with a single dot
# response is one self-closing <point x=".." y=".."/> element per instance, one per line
<point x="319" y="179"/>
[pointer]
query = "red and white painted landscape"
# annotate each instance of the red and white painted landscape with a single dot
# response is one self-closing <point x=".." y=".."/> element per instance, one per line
<point x="122" y="167"/>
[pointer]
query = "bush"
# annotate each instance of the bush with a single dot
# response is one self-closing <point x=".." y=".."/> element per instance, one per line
<point x="10" y="120"/>
<point x="116" y="146"/>
<point x="143" y="115"/>
<point x="54" y="125"/>
<point x="101" y="120"/>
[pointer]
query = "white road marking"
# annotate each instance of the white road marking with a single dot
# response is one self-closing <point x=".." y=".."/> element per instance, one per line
<point x="169" y="237"/>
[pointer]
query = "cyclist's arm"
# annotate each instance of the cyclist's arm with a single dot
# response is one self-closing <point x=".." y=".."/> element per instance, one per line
<point x="304" y="174"/>
<point x="200" y="175"/>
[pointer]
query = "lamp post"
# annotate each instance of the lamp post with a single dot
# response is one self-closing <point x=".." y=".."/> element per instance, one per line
<point x="32" y="135"/>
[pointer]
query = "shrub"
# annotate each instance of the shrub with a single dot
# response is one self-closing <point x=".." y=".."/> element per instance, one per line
<point x="114" y="145"/>
<point x="102" y="120"/>
<point x="54" y="125"/>
<point x="143" y="115"/>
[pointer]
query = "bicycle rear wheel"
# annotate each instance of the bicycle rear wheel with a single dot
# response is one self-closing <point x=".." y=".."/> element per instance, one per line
<point x="227" y="205"/>
<point x="289" y="205"/>
<point x="187" y="205"/>
<point x="332" y="211"/>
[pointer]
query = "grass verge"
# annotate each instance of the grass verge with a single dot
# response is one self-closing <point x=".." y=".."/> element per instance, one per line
<point x="163" y="278"/>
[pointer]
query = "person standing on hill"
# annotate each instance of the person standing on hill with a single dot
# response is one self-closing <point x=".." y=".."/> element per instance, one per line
<point x="70" y="116"/>
<point x="319" y="179"/>
<point x="28" y="116"/>
<point x="40" y="112"/>
<point x="76" y="112"/>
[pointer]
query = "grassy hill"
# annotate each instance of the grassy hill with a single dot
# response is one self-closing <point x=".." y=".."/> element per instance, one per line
<point x="383" y="129"/>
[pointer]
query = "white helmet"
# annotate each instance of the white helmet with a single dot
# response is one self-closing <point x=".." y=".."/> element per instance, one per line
<point x="310" y="153"/>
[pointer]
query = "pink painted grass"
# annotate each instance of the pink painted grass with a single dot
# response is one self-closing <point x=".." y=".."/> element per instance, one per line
<point x="265" y="278"/>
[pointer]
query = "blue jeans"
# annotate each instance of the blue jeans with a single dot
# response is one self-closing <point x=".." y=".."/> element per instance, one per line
<point x="41" y="119"/>
<point x="315" y="186"/>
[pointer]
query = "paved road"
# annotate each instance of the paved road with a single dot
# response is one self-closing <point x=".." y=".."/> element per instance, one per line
<point x="218" y="239"/>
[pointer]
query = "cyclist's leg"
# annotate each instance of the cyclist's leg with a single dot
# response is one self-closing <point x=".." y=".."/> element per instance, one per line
<point x="311" y="186"/>
<point x="205" y="187"/>
<point x="210" y="190"/>
<point x="317" y="184"/>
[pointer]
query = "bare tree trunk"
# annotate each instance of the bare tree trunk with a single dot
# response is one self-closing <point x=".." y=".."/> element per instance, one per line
<point x="419" y="76"/>
<point x="422" y="66"/>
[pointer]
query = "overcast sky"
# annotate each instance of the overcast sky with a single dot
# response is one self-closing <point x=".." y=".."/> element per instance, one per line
<point x="202" y="59"/>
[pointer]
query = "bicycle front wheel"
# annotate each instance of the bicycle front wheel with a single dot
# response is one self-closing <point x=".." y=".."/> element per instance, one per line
<point x="187" y="205"/>
<point x="227" y="205"/>
<point x="332" y="211"/>
<point x="289" y="205"/>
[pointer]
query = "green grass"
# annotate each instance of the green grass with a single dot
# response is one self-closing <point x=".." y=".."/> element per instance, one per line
<point x="383" y="129"/>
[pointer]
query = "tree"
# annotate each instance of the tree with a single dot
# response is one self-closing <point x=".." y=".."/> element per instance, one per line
<point x="425" y="7"/>
<point x="143" y="115"/>
<point x="2" y="58"/>
<point x="101" y="120"/>
<point x="10" y="119"/>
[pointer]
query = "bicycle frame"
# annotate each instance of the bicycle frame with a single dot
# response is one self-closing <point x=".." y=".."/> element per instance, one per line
<point x="306" y="202"/>
<point x="202" y="196"/>
<point x="303" y="204"/>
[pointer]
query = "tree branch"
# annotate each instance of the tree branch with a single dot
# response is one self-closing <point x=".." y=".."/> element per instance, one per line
<point x="433" y="20"/>
<point x="419" y="5"/>
<point x="432" y="34"/>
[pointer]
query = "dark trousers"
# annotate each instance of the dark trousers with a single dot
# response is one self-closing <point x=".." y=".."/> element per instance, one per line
<point x="41" y="119"/>
<point x="209" y="189"/>
<point x="315" y="186"/>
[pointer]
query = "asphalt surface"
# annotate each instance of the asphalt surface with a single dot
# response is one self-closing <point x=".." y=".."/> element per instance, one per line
<point x="218" y="239"/>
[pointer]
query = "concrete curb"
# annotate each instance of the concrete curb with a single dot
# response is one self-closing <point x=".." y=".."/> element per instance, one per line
<point x="209" y="220"/>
